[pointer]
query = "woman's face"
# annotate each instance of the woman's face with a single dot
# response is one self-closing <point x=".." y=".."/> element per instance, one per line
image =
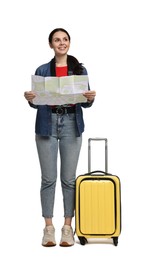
<point x="60" y="43"/>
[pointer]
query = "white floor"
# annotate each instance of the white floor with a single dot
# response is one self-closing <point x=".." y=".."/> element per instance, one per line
<point x="29" y="248"/>
<point x="21" y="234"/>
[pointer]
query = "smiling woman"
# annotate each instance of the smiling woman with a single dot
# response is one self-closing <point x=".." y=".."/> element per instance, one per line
<point x="59" y="41"/>
<point x="59" y="127"/>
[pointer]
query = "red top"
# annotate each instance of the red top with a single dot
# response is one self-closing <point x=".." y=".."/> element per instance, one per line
<point x="61" y="71"/>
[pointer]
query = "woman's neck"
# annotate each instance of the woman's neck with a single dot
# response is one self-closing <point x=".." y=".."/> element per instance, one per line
<point x="61" y="61"/>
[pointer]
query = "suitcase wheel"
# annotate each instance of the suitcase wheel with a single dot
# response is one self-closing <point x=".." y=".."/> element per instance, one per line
<point x="83" y="240"/>
<point x="115" y="241"/>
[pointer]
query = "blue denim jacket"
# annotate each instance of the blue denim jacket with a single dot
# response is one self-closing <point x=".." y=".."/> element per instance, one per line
<point x="43" y="125"/>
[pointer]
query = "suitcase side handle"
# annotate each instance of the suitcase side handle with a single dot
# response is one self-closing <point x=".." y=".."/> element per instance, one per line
<point x="106" y="152"/>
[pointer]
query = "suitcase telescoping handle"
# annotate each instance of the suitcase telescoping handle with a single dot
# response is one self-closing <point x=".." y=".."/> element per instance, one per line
<point x="106" y="154"/>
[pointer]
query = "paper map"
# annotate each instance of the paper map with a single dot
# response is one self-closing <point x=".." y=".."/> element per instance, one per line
<point x="59" y="90"/>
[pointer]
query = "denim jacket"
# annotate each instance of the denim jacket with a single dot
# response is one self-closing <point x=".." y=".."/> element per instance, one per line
<point x="43" y="125"/>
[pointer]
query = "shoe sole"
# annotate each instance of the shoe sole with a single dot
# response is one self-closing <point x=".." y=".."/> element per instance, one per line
<point x="49" y="244"/>
<point x="65" y="244"/>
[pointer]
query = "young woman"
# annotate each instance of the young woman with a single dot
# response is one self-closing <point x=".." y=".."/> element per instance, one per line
<point x="59" y="127"/>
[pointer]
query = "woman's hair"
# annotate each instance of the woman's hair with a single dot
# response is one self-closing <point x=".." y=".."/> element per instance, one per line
<point x="73" y="63"/>
<point x="57" y="30"/>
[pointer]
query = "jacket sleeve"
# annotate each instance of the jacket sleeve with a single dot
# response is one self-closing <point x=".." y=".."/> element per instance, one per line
<point x="40" y="71"/>
<point x="87" y="104"/>
<point x="32" y="105"/>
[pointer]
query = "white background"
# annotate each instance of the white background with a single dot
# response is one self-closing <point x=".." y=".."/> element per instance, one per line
<point x="110" y="38"/>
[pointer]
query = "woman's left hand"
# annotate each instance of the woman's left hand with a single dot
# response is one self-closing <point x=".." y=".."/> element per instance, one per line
<point x="90" y="95"/>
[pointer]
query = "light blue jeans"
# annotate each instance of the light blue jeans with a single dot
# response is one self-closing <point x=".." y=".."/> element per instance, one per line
<point x="63" y="139"/>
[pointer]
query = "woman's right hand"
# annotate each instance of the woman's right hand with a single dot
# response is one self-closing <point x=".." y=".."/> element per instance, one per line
<point x="29" y="95"/>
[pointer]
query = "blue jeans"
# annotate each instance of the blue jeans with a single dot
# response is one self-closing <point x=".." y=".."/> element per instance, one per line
<point x="64" y="139"/>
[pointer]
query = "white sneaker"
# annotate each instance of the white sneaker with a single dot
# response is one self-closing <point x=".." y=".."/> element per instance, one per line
<point x="49" y="236"/>
<point x="67" y="238"/>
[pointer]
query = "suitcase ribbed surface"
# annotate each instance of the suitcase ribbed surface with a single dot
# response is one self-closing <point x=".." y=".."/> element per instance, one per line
<point x="97" y="207"/>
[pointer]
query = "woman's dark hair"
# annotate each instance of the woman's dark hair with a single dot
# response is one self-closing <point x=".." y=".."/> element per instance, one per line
<point x="57" y="30"/>
<point x="73" y="64"/>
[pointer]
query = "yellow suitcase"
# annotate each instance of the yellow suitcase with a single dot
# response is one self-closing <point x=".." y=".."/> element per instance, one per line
<point x="98" y="203"/>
